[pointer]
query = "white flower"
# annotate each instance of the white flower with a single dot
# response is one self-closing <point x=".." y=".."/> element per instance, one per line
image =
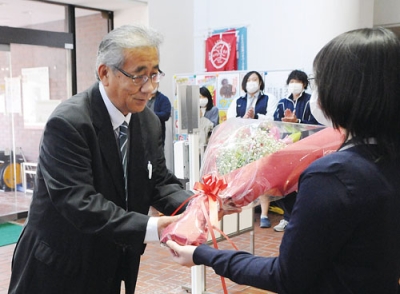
<point x="248" y="144"/>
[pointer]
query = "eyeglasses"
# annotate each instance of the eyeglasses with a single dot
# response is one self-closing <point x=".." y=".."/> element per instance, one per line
<point x="141" y="80"/>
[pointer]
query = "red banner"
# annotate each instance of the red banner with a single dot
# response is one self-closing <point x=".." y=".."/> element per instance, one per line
<point x="221" y="52"/>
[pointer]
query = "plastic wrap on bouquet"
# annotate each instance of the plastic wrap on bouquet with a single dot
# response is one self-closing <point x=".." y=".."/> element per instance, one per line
<point x="263" y="167"/>
<point x="253" y="158"/>
<point x="201" y="212"/>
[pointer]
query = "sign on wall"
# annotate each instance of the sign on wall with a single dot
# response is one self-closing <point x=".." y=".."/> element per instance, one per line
<point x="37" y="105"/>
<point x="241" y="45"/>
<point x="221" y="52"/>
<point x="13" y="94"/>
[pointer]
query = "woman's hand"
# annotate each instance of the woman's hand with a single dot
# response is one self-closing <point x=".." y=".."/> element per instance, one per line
<point x="290" y="116"/>
<point x="182" y="255"/>
<point x="250" y="113"/>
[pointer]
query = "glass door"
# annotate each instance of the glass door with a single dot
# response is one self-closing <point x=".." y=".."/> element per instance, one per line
<point x="45" y="48"/>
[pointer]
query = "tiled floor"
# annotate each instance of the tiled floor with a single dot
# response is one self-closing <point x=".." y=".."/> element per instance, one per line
<point x="158" y="274"/>
<point x="13" y="204"/>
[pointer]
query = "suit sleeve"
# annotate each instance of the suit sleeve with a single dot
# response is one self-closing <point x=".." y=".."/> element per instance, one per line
<point x="167" y="191"/>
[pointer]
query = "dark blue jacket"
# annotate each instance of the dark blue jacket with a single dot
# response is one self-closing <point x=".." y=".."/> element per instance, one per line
<point x="162" y="108"/>
<point x="343" y="236"/>
<point x="261" y="105"/>
<point x="301" y="105"/>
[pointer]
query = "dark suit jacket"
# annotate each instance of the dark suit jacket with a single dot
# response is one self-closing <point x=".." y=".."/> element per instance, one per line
<point x="81" y="235"/>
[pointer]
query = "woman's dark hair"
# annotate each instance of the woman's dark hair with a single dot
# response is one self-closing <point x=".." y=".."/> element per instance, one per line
<point x="246" y="77"/>
<point x="205" y="93"/>
<point x="298" y="75"/>
<point x="358" y="82"/>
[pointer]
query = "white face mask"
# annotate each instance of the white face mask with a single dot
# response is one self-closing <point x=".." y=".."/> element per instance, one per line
<point x="252" y="87"/>
<point x="203" y="102"/>
<point x="316" y="110"/>
<point x="295" y="88"/>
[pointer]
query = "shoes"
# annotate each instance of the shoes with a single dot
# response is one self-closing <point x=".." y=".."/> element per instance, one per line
<point x="281" y="226"/>
<point x="265" y="223"/>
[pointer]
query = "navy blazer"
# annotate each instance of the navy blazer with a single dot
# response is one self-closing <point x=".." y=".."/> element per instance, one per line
<point x="260" y="107"/>
<point x="343" y="235"/>
<point x="80" y="229"/>
<point x="301" y="105"/>
<point x="162" y="108"/>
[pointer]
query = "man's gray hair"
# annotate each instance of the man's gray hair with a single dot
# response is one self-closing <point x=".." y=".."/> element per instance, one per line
<point x="111" y="48"/>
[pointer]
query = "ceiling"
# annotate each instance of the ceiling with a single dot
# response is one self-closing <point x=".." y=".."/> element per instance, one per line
<point x="22" y="13"/>
<point x="112" y="5"/>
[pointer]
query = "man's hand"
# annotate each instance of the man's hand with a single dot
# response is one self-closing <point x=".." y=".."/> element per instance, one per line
<point x="182" y="255"/>
<point x="290" y="116"/>
<point x="165" y="221"/>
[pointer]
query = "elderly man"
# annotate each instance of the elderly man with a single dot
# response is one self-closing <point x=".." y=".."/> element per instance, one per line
<point x="101" y="166"/>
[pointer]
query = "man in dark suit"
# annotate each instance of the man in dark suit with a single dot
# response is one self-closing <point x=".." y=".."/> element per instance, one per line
<point x="85" y="231"/>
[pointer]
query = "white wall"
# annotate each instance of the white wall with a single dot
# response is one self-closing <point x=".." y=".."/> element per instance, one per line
<point x="137" y="14"/>
<point x="174" y="19"/>
<point x="281" y="34"/>
<point x="386" y="12"/>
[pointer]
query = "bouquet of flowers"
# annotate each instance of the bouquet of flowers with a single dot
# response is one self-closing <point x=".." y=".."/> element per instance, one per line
<point x="246" y="158"/>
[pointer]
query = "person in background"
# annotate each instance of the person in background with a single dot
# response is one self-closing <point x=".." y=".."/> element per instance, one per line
<point x="295" y="109"/>
<point x="161" y="106"/>
<point x="256" y="105"/>
<point x="209" y="118"/>
<point x="344" y="233"/>
<point x="88" y="222"/>
<point x="207" y="108"/>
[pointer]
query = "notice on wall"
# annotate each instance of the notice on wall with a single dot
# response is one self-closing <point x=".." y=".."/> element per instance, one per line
<point x="2" y="103"/>
<point x="275" y="83"/>
<point x="13" y="95"/>
<point x="37" y="105"/>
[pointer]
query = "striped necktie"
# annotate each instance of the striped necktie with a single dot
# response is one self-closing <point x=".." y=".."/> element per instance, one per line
<point x="123" y="139"/>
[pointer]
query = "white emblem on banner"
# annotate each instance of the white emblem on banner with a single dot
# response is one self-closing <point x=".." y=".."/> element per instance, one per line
<point x="220" y="54"/>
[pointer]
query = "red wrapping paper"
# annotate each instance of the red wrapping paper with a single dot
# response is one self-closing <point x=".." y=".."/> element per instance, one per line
<point x="277" y="174"/>
<point x="274" y="174"/>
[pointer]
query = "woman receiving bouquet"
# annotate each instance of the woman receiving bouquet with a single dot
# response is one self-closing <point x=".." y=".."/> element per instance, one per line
<point x="344" y="232"/>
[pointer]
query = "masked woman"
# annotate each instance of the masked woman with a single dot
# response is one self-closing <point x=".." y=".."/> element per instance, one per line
<point x="255" y="104"/>
<point x="207" y="108"/>
<point x="296" y="107"/>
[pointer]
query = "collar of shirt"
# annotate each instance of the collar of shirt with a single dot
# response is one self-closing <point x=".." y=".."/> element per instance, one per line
<point x="252" y="96"/>
<point x="252" y="100"/>
<point x="117" y="118"/>
<point x="290" y="96"/>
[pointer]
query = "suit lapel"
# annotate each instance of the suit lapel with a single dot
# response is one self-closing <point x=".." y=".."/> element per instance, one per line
<point x="107" y="141"/>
